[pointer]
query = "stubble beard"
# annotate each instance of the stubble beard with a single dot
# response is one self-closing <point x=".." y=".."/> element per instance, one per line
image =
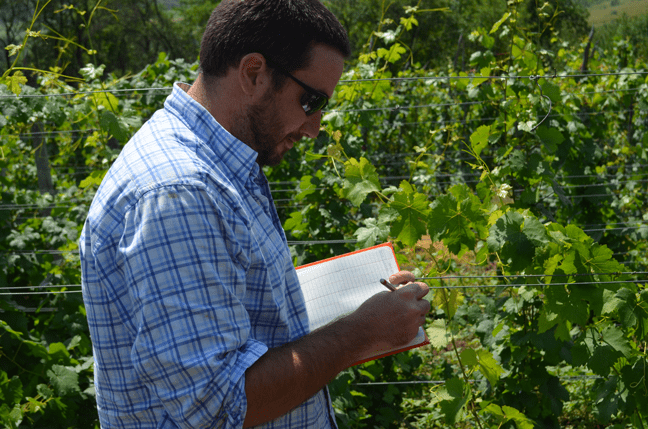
<point x="266" y="134"/>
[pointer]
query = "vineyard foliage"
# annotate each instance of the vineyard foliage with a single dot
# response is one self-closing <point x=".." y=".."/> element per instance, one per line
<point x="527" y="168"/>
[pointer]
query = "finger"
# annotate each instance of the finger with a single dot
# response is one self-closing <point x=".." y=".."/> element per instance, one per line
<point x="419" y="289"/>
<point x="401" y="278"/>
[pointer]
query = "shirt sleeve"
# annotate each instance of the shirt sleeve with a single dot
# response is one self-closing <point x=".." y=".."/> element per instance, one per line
<point x="184" y="256"/>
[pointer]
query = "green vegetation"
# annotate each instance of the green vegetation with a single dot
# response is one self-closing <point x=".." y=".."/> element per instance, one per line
<point x="525" y="175"/>
<point x="603" y="12"/>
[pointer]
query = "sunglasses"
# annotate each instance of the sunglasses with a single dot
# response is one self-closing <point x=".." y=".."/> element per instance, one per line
<point x="313" y="100"/>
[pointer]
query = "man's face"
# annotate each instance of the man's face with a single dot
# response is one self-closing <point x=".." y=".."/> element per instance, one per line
<point x="278" y="120"/>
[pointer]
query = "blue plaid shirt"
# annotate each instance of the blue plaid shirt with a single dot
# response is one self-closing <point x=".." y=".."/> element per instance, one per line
<point x="187" y="278"/>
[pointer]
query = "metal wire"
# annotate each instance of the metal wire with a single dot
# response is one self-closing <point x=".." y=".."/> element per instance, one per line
<point x="341" y="82"/>
<point x="633" y="273"/>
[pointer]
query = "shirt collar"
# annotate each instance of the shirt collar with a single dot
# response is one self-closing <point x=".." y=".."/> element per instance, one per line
<point x="239" y="158"/>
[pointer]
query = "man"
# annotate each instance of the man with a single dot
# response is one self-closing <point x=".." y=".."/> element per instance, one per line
<point x="195" y="311"/>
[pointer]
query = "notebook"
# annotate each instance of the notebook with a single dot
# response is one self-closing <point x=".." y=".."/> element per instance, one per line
<point x="337" y="286"/>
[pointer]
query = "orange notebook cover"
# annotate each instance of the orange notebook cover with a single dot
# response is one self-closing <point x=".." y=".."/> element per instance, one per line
<point x="337" y="286"/>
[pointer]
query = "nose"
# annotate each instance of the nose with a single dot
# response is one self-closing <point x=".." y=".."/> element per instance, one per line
<point x="311" y="126"/>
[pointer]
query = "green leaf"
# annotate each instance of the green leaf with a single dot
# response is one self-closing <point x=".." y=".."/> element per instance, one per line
<point x="515" y="240"/>
<point x="295" y="224"/>
<point x="547" y="319"/>
<point x="334" y="118"/>
<point x="409" y="22"/>
<point x="521" y="421"/>
<point x="15" y="82"/>
<point x="485" y="362"/>
<point x="602" y="359"/>
<point x="413" y="210"/>
<point x="454" y="222"/>
<point x="44" y="391"/>
<point x="11" y="389"/>
<point x="360" y="179"/>
<point x="11" y="417"/>
<point x="506" y="413"/>
<point x="552" y="91"/>
<point x="601" y="260"/>
<point x="479" y="139"/>
<point x="454" y="409"/>
<point x="94" y="178"/>
<point x="607" y="403"/>
<point x="489" y="366"/>
<point x="394" y="53"/>
<point x="64" y="380"/>
<point x="113" y="126"/>
<point x="617" y="340"/>
<point x="90" y="72"/>
<point x="59" y="353"/>
<point x="13" y="49"/>
<point x="437" y="334"/>
<point x="624" y="303"/>
<point x="448" y="301"/>
<point x="497" y="25"/>
<point x="306" y="187"/>
<point x="469" y="358"/>
<point x="373" y="232"/>
<point x="550" y="137"/>
<point x="486" y="71"/>
<point x="105" y="100"/>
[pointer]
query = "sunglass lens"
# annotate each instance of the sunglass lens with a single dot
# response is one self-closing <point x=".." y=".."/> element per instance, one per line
<point x="313" y="102"/>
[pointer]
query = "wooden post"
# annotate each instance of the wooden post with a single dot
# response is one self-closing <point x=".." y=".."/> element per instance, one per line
<point x="586" y="54"/>
<point x="459" y="50"/>
<point x="630" y="131"/>
<point x="45" y="184"/>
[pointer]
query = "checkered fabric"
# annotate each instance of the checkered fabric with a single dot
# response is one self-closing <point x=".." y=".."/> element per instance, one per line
<point x="187" y="278"/>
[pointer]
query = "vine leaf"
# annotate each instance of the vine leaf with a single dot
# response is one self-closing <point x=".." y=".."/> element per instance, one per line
<point x="112" y="125"/>
<point x="64" y="379"/>
<point x="453" y="217"/>
<point x="497" y="25"/>
<point x="602" y="359"/>
<point x="11" y="389"/>
<point x="516" y="238"/>
<point x="306" y="187"/>
<point x="448" y="300"/>
<point x="360" y="180"/>
<point x="550" y="137"/>
<point x="394" y="53"/>
<point x="374" y="231"/>
<point x="413" y="210"/>
<point x="617" y="340"/>
<point x="295" y="224"/>
<point x="454" y="409"/>
<point x="479" y="139"/>
<point x="483" y="360"/>
<point x="438" y="334"/>
<point x="15" y="82"/>
<point x="95" y="178"/>
<point x="506" y="413"/>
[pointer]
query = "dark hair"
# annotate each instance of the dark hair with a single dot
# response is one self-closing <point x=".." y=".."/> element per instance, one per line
<point x="281" y="30"/>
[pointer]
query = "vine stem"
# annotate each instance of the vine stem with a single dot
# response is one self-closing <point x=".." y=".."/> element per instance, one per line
<point x="640" y="419"/>
<point x="31" y="25"/>
<point x="473" y="406"/>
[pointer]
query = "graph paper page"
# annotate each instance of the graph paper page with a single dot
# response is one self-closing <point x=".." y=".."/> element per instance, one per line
<point x="336" y="287"/>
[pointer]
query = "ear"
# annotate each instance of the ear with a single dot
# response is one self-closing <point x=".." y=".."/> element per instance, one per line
<point x="253" y="74"/>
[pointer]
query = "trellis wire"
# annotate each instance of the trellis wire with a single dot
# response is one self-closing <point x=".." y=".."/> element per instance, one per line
<point x="345" y="82"/>
<point x="418" y="279"/>
<point x="439" y="382"/>
<point x="633" y="273"/>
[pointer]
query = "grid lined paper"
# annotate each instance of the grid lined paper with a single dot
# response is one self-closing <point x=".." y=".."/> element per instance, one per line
<point x="338" y="286"/>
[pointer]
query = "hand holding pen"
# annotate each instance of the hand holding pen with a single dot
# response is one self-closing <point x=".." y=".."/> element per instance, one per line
<point x="388" y="285"/>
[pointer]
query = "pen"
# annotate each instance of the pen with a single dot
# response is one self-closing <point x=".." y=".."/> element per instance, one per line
<point x="388" y="285"/>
